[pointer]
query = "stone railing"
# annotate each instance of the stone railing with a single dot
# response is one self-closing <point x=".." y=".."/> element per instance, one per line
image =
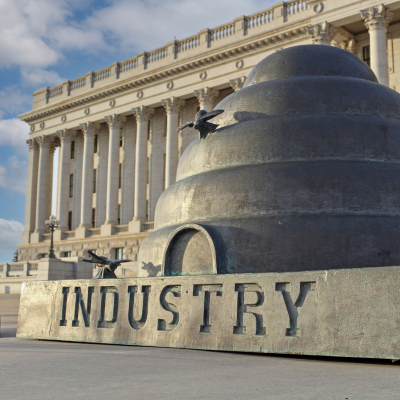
<point x="93" y="232"/>
<point x="68" y="234"/>
<point x="260" y="18"/>
<point x="121" y="229"/>
<point x="44" y="237"/>
<point x="55" y="91"/>
<point x="77" y="83"/>
<point x="222" y="31"/>
<point x="230" y="32"/>
<point x="295" y="7"/>
<point x="102" y="74"/>
<point x="18" y="268"/>
<point x="147" y="226"/>
<point x="128" y="65"/>
<point x="188" y="43"/>
<point x="156" y="55"/>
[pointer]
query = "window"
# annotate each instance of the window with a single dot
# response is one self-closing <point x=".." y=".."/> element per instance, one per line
<point x="66" y="254"/>
<point x="93" y="217"/>
<point x="164" y="168"/>
<point x="119" y="253"/>
<point x="147" y="209"/>
<point x="120" y="177"/>
<point x="121" y="137"/>
<point x="71" y="185"/>
<point x="94" y="180"/>
<point x="366" y="55"/>
<point x="148" y="170"/>
<point x="72" y="149"/>
<point x="148" y="130"/>
<point x="165" y="125"/>
<point x="96" y="143"/>
<point x="70" y="220"/>
<point x="119" y="214"/>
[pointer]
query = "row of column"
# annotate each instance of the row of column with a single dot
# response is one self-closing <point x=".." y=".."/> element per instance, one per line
<point x="376" y="20"/>
<point x="41" y="150"/>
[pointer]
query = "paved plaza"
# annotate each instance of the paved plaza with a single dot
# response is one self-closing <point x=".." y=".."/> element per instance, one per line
<point x="32" y="369"/>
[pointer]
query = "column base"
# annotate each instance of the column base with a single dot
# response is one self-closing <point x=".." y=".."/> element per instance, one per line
<point x="107" y="229"/>
<point x="25" y="238"/>
<point x="136" y="226"/>
<point x="80" y="232"/>
<point x="58" y="235"/>
<point x="35" y="237"/>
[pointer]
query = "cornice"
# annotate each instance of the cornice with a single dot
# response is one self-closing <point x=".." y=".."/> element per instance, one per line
<point x="216" y="56"/>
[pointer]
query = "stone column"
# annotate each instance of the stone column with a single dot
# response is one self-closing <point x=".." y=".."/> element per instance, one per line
<point x="63" y="184"/>
<point x="43" y="187"/>
<point x="172" y="107"/>
<point x="206" y="98"/>
<point x="114" y="122"/>
<point x="88" y="130"/>
<point x="142" y="115"/>
<point x="321" y="33"/>
<point x="31" y="191"/>
<point x="376" y="20"/>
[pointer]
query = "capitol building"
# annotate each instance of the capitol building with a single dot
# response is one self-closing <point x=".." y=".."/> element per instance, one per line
<point x="116" y="128"/>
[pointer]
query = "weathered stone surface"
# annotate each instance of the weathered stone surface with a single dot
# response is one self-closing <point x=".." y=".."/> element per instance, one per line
<point x="347" y="312"/>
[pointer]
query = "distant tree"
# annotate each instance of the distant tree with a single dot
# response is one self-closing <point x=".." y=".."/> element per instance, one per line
<point x="15" y="258"/>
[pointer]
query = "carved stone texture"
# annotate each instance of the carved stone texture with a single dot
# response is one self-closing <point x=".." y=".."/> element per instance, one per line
<point x="115" y="120"/>
<point x="379" y="16"/>
<point x="206" y="98"/>
<point x="173" y="105"/>
<point x="321" y="33"/>
<point x="296" y="313"/>
<point x="237" y="83"/>
<point x="349" y="45"/>
<point x="31" y="143"/>
<point x="89" y="127"/>
<point x="142" y="113"/>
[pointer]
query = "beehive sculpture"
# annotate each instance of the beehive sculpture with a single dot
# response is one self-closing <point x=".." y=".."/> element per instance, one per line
<point x="302" y="174"/>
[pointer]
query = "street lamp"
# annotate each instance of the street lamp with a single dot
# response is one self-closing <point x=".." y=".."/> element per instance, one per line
<point x="52" y="224"/>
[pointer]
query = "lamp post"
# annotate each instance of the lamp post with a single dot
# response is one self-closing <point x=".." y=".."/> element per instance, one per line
<point x="52" y="224"/>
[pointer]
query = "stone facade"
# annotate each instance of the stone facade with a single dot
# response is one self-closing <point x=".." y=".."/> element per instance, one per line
<point x="116" y="128"/>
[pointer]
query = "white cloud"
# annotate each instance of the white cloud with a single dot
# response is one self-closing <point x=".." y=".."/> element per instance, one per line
<point x="10" y="234"/>
<point x="12" y="100"/>
<point x="13" y="175"/>
<point x="14" y="133"/>
<point x="40" y="77"/>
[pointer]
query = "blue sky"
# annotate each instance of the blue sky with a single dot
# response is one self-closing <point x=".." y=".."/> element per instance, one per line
<point x="45" y="42"/>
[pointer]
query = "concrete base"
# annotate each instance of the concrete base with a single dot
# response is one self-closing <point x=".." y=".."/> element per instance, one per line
<point x="351" y="313"/>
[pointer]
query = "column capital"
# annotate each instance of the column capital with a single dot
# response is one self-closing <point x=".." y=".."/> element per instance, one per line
<point x="349" y="45"/>
<point x="237" y="83"/>
<point x="142" y="113"/>
<point x="115" y="120"/>
<point x="377" y="17"/>
<point x="321" y="33"/>
<point x="89" y="127"/>
<point x="43" y="141"/>
<point x="31" y="144"/>
<point x="173" y="104"/>
<point x="65" y="135"/>
<point x="206" y="94"/>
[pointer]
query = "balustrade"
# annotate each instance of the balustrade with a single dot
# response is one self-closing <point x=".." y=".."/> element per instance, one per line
<point x="102" y="74"/>
<point x="128" y="65"/>
<point x="188" y="43"/>
<point x="223" y="31"/>
<point x="157" y="55"/>
<point x="295" y="7"/>
<point x="261" y="18"/>
<point x="56" y="91"/>
<point x="77" y="83"/>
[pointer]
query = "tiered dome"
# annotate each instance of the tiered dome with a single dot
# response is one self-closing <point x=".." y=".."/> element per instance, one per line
<point x="302" y="174"/>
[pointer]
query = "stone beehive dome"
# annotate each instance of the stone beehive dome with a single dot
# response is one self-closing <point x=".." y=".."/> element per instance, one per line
<point x="302" y="174"/>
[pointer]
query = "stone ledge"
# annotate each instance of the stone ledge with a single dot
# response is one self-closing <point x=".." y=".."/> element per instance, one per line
<point x="351" y="312"/>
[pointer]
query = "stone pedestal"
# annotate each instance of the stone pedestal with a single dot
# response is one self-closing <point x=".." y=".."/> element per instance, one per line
<point x="345" y="313"/>
<point x="135" y="226"/>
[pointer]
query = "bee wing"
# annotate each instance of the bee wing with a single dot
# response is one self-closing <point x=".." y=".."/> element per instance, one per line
<point x="190" y="124"/>
<point x="211" y="114"/>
